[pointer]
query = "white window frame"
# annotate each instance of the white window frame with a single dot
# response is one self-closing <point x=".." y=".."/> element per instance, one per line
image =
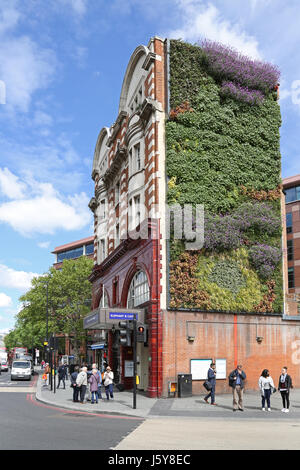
<point x="139" y="290"/>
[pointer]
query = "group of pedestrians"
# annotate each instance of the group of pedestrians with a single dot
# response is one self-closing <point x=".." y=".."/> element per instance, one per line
<point x="237" y="382"/>
<point x="89" y="382"/>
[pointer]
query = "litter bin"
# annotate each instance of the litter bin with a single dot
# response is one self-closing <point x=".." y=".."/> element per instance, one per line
<point x="185" y="388"/>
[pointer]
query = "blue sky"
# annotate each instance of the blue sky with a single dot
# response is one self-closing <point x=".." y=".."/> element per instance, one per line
<point x="62" y="64"/>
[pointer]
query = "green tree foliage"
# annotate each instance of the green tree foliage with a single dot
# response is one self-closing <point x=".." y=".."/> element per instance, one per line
<point x="69" y="299"/>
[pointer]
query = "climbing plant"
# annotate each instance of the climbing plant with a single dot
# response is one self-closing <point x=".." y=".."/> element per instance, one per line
<point x="223" y="151"/>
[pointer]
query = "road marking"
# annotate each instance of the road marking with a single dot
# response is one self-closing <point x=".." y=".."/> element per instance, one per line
<point x="30" y="397"/>
<point x="16" y="389"/>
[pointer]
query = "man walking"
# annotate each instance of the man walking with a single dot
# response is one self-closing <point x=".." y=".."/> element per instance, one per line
<point x="236" y="381"/>
<point x="81" y="382"/>
<point x="62" y="375"/>
<point x="211" y="377"/>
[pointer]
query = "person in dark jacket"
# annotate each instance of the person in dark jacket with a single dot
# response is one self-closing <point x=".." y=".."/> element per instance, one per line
<point x="236" y="381"/>
<point x="211" y="377"/>
<point x="76" y="389"/>
<point x="284" y="386"/>
<point x="62" y="375"/>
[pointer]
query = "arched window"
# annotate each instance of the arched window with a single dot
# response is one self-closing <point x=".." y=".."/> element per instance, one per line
<point x="104" y="300"/>
<point x="139" y="291"/>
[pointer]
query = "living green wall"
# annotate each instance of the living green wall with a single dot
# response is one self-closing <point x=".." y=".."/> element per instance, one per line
<point x="225" y="154"/>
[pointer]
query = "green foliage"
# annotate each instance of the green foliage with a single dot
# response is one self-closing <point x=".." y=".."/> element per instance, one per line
<point x="213" y="150"/>
<point x="69" y="298"/>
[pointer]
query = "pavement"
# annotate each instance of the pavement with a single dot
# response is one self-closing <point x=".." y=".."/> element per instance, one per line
<point x="189" y="407"/>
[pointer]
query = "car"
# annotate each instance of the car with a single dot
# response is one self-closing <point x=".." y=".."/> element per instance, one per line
<point x="4" y="366"/>
<point x="21" y="370"/>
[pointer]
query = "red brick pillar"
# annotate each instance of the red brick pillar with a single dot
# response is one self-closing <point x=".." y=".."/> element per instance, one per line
<point x="155" y="322"/>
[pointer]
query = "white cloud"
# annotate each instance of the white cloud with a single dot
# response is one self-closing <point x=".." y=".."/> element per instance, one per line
<point x="24" y="68"/>
<point x="205" y="21"/>
<point x="10" y="185"/>
<point x="79" y="7"/>
<point x="5" y="300"/>
<point x="45" y="210"/>
<point x="44" y="245"/>
<point x="15" y="279"/>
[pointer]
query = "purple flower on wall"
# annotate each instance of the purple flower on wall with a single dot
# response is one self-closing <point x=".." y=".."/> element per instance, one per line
<point x="238" y="92"/>
<point x="264" y="258"/>
<point x="227" y="64"/>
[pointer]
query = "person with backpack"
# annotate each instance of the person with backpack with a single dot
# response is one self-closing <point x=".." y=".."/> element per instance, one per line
<point x="211" y="379"/>
<point x="284" y="386"/>
<point x="236" y="381"/>
<point x="266" y="386"/>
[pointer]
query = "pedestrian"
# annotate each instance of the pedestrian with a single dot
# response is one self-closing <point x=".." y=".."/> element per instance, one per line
<point x="266" y="386"/>
<point x="108" y="383"/>
<point x="236" y="381"/>
<point x="89" y="373"/>
<point x="284" y="386"/>
<point x="47" y="372"/>
<point x="76" y="389"/>
<point x="81" y="382"/>
<point x="94" y="383"/>
<point x="211" y="378"/>
<point x="62" y="375"/>
<point x="100" y="380"/>
<point x="42" y="364"/>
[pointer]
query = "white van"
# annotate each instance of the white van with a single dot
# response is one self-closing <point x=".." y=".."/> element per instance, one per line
<point x="21" y="370"/>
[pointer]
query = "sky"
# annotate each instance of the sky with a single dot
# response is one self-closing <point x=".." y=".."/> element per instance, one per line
<point x="62" y="64"/>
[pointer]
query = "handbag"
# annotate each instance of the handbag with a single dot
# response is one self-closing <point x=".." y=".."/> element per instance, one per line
<point x="207" y="385"/>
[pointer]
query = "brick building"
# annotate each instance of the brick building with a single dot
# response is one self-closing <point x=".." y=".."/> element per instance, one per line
<point x="291" y="187"/>
<point x="132" y="253"/>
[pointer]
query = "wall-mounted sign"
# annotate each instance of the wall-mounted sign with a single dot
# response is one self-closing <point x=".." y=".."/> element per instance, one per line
<point x="199" y="368"/>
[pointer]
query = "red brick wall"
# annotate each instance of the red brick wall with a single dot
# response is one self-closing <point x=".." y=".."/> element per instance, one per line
<point x="215" y="338"/>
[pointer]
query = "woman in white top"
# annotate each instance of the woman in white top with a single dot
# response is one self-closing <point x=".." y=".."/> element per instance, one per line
<point x="266" y="386"/>
<point x="108" y="383"/>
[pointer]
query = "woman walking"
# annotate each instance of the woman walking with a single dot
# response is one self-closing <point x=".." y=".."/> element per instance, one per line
<point x="81" y="382"/>
<point x="94" y="383"/>
<point x="108" y="383"/>
<point x="266" y="386"/>
<point x="284" y="386"/>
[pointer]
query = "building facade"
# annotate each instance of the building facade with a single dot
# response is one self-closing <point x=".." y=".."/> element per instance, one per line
<point x="162" y="150"/>
<point x="73" y="250"/>
<point x="291" y="187"/>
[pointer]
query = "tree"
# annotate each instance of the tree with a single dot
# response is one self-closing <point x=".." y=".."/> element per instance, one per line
<point x="69" y="299"/>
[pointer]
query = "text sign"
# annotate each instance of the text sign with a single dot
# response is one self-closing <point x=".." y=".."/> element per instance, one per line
<point x="121" y="316"/>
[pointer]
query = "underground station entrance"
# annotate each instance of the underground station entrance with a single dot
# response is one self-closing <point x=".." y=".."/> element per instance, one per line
<point x="125" y="348"/>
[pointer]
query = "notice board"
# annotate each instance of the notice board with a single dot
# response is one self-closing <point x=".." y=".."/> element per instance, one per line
<point x="199" y="368"/>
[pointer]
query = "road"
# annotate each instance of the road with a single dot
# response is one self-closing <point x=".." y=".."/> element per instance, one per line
<point x="28" y="424"/>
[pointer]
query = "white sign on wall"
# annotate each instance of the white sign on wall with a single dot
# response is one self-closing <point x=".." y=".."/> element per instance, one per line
<point x="199" y="368"/>
<point x="128" y="369"/>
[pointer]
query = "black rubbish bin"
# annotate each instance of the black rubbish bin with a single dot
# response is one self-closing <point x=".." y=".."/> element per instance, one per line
<point x="185" y="388"/>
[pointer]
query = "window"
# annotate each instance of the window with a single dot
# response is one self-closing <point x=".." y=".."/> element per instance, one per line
<point x="292" y="194"/>
<point x="89" y="249"/>
<point x="70" y="254"/>
<point x="137" y="156"/>
<point x="290" y="250"/>
<point x="291" y="278"/>
<point x="139" y="291"/>
<point x="137" y="212"/>
<point x="102" y="250"/>
<point x="104" y="300"/>
<point x="117" y="193"/>
<point x="135" y="160"/>
<point x="117" y="234"/>
<point x="289" y="222"/>
<point x="134" y="212"/>
<point x="102" y="209"/>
